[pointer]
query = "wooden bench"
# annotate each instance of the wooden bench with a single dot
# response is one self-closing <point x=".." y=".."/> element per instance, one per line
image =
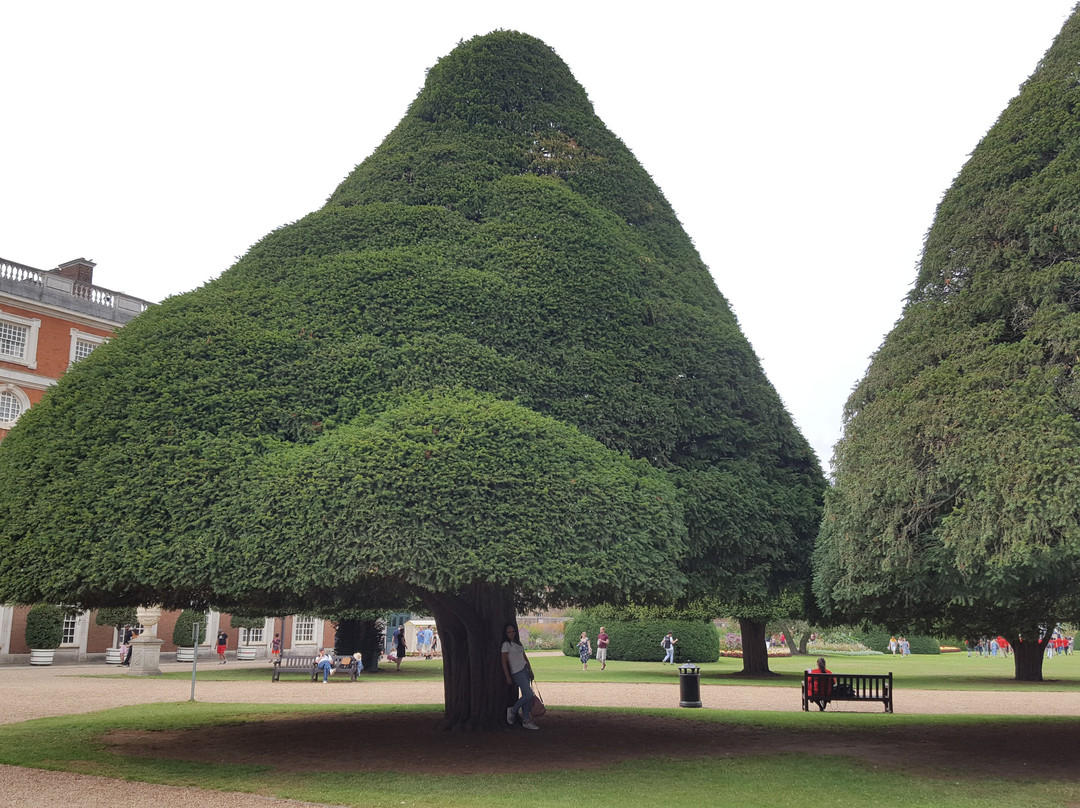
<point x="307" y="664"/>
<point x="847" y="687"/>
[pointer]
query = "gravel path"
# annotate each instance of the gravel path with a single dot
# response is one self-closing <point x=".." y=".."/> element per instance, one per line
<point x="35" y="692"/>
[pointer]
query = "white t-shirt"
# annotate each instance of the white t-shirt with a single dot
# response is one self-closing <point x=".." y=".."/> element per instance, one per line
<point x="516" y="659"/>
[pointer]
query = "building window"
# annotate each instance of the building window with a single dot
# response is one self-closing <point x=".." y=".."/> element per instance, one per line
<point x="18" y="339"/>
<point x="13" y="403"/>
<point x="251" y="636"/>
<point x="70" y="623"/>
<point x="13" y="340"/>
<point x="82" y="344"/>
<point x="303" y="630"/>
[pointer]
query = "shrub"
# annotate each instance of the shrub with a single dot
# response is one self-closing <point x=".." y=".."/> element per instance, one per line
<point x="877" y="639"/>
<point x="182" y="631"/>
<point x="241" y="621"/>
<point x="364" y="634"/>
<point x="44" y="626"/>
<point x="639" y="640"/>
<point x="117" y="616"/>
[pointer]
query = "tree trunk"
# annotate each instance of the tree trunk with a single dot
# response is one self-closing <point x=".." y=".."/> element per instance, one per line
<point x="471" y="630"/>
<point x="755" y="655"/>
<point x="804" y="643"/>
<point x="795" y="649"/>
<point x="1028" y="657"/>
<point x="371" y="639"/>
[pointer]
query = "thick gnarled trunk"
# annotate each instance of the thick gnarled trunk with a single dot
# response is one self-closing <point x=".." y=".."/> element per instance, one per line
<point x="755" y="654"/>
<point x="1028" y="658"/>
<point x="471" y="631"/>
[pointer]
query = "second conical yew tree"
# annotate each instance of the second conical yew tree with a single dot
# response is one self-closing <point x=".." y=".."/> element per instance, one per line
<point x="957" y="497"/>
<point x="491" y="373"/>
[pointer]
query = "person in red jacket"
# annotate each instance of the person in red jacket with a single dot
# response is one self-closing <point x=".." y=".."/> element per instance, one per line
<point x="819" y="688"/>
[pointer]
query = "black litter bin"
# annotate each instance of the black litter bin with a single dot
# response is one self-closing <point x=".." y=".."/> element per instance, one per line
<point x="689" y="685"/>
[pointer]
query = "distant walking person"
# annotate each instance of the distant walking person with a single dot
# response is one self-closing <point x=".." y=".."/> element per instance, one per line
<point x="125" y="647"/>
<point x="668" y="644"/>
<point x="584" y="650"/>
<point x="222" y="644"/>
<point x="399" y="645"/>
<point x="601" y="648"/>
<point x="421" y="643"/>
<point x="275" y="649"/>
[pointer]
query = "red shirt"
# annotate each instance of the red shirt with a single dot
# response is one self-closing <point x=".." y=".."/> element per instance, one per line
<point x="818" y="687"/>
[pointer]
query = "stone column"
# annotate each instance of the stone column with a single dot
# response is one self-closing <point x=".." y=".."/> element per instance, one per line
<point x="145" y="656"/>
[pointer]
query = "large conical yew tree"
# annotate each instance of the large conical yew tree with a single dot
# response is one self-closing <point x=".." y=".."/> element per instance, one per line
<point x="492" y="372"/>
<point x="957" y="496"/>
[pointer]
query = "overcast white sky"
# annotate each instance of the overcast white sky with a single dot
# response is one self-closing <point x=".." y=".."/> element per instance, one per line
<point x="804" y="146"/>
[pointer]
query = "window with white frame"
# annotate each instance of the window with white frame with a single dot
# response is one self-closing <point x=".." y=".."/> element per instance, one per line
<point x="251" y="636"/>
<point x="70" y="624"/>
<point x="82" y="344"/>
<point x="303" y="630"/>
<point x="13" y="403"/>
<point x="18" y="339"/>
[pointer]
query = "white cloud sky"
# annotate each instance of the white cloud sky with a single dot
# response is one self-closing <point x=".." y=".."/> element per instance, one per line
<point x="803" y="146"/>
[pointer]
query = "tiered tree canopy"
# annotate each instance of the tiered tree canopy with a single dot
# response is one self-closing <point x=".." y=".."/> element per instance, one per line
<point x="492" y="360"/>
<point x="957" y="496"/>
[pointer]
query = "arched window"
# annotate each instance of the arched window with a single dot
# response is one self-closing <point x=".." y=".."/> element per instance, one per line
<point x="13" y="403"/>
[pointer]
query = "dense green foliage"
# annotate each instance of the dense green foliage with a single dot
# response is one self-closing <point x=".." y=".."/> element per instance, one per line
<point x="184" y="629"/>
<point x="493" y="357"/>
<point x="638" y="640"/>
<point x="44" y="626"/>
<point x="957" y="496"/>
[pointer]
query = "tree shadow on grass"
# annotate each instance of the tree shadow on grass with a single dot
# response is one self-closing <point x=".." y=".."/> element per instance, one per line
<point x="358" y="742"/>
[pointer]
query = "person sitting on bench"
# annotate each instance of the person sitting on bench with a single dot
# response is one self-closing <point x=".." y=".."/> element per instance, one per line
<point x="325" y="663"/>
<point x="819" y="688"/>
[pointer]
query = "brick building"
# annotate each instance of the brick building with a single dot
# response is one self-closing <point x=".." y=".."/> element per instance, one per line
<point x="50" y="319"/>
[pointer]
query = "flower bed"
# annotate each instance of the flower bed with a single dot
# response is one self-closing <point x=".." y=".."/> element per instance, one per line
<point x="773" y="652"/>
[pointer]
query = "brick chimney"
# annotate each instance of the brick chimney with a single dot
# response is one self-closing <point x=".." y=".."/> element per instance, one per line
<point x="80" y="270"/>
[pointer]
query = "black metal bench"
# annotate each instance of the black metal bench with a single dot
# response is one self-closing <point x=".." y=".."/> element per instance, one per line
<point x="309" y="664"/>
<point x="829" y="687"/>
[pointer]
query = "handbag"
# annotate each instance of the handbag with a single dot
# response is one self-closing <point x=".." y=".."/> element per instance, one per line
<point x="537" y="708"/>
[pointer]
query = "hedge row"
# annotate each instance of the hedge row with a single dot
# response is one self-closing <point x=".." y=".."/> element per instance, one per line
<point x="878" y="640"/>
<point x="639" y="640"/>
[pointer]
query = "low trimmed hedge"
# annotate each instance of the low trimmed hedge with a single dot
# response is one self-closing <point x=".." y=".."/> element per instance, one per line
<point x="878" y="640"/>
<point x="639" y="640"/>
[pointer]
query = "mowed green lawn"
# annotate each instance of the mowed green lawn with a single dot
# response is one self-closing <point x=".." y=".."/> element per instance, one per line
<point x="804" y="778"/>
